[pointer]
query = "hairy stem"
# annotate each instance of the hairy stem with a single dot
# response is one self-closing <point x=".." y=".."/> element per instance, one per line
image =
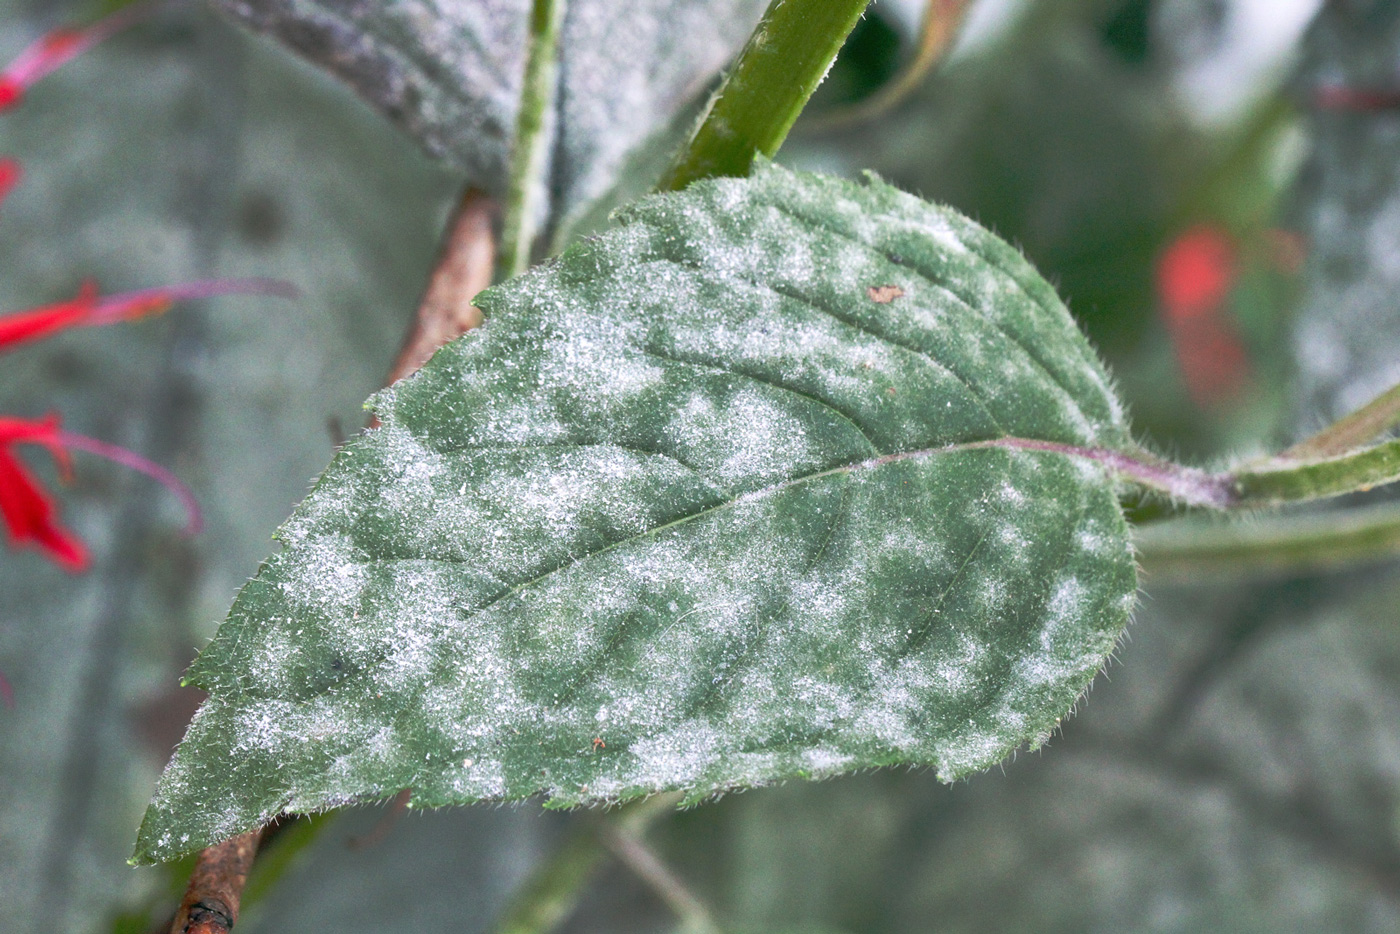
<point x="1370" y="421"/>
<point x="529" y="154"/>
<point x="1279" y="481"/>
<point x="785" y="59"/>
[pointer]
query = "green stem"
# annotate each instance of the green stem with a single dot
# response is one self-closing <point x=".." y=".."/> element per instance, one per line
<point x="785" y="59"/>
<point x="277" y="857"/>
<point x="1370" y="421"/>
<point x="550" y="895"/>
<point x="1275" y="482"/>
<point x="1189" y="550"/>
<point x="632" y="850"/>
<point x="529" y="154"/>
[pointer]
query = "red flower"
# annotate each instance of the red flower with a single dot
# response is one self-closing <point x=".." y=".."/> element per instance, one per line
<point x="29" y="515"/>
<point x="57" y="48"/>
<point x="28" y="512"/>
<point x="9" y="177"/>
<point x="1194" y="279"/>
<point x="86" y="309"/>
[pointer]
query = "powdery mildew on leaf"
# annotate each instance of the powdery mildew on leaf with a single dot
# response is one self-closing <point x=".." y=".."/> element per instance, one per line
<point x="450" y="72"/>
<point x="692" y="511"/>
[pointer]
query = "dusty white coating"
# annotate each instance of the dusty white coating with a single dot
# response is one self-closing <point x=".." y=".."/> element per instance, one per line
<point x="673" y="521"/>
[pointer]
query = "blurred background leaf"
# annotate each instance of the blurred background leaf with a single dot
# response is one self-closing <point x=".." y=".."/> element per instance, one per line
<point x="451" y="73"/>
<point x="1239" y="770"/>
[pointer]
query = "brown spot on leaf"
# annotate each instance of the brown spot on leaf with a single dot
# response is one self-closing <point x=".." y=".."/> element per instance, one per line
<point x="884" y="294"/>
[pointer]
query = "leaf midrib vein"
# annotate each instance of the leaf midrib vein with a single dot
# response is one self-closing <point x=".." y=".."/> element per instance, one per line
<point x="1008" y="443"/>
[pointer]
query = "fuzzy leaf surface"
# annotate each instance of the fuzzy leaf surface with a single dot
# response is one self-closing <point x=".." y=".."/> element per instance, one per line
<point x="716" y="499"/>
<point x="450" y="72"/>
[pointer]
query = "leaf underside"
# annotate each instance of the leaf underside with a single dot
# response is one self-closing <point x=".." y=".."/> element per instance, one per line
<point x="694" y="510"/>
<point x="449" y="72"/>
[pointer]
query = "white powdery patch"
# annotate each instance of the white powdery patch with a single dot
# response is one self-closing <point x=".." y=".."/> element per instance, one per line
<point x="478" y="778"/>
<point x="269" y="660"/>
<point x="976" y="748"/>
<point x="601" y="371"/>
<point x="415" y="467"/>
<point x="418" y="607"/>
<point x="554" y="496"/>
<point x="896" y="697"/>
<point x="820" y="598"/>
<point x="752" y="439"/>
<point x="332" y="505"/>
<point x="324" y="577"/>
<point x="265" y="726"/>
<point x="923" y="222"/>
<point x="1085" y="431"/>
<point x="823" y="703"/>
<point x="677" y="758"/>
<point x="1010" y="495"/>
<point x="956" y="674"/>
<point x="521" y="420"/>
<point x="821" y="762"/>
<point x="1094" y="540"/>
<point x="1064" y="613"/>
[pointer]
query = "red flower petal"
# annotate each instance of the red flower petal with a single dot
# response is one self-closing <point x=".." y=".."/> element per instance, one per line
<point x="9" y="177"/>
<point x="88" y="310"/>
<point x="30" y="517"/>
<point x="1194" y="278"/>
<point x="1196" y="272"/>
<point x="37" y="323"/>
<point x="29" y="514"/>
<point x="50" y="51"/>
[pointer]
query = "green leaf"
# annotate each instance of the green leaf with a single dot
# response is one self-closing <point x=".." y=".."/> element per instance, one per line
<point x="452" y="74"/>
<point x="737" y="492"/>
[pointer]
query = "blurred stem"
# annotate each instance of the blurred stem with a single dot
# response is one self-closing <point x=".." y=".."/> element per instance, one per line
<point x="941" y="21"/>
<point x="1370" y="421"/>
<point x="550" y="895"/>
<point x="633" y="852"/>
<point x="1189" y="550"/>
<point x="463" y="268"/>
<point x="529" y="154"/>
<point x="279" y="851"/>
<point x="785" y="59"/>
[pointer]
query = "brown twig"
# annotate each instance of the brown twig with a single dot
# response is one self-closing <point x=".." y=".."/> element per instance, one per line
<point x="211" y="901"/>
<point x="464" y="267"/>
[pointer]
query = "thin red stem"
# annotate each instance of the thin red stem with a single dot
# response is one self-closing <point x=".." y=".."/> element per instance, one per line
<point x="136" y="462"/>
